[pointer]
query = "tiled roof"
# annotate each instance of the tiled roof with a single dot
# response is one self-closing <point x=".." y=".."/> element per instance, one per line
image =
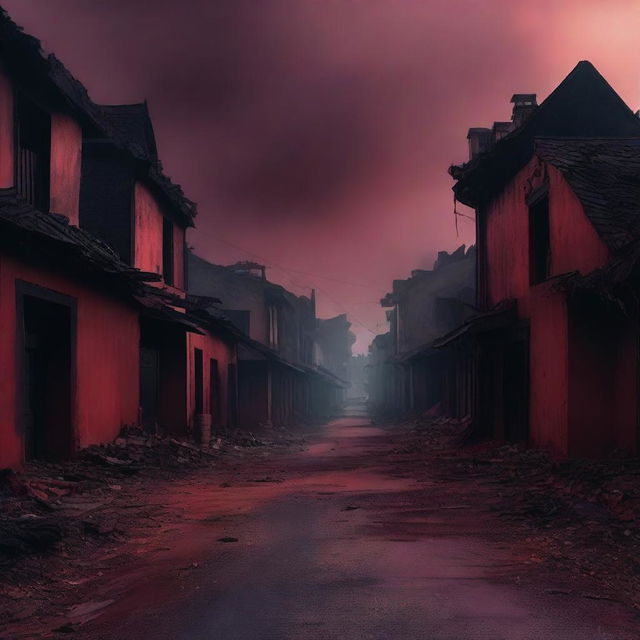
<point x="50" y="235"/>
<point x="605" y="175"/>
<point x="55" y="231"/>
<point x="582" y="105"/>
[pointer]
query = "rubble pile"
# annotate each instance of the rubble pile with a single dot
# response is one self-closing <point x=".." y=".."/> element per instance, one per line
<point x="136" y="449"/>
<point x="50" y="501"/>
<point x="586" y="512"/>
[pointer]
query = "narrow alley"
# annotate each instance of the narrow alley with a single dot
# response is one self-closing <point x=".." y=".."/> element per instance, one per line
<point x="357" y="536"/>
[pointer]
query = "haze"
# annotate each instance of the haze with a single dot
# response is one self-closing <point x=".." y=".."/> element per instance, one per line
<point x="316" y="135"/>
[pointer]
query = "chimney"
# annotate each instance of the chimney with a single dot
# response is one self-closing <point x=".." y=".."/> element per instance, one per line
<point x="500" y="130"/>
<point x="479" y="141"/>
<point x="524" y="104"/>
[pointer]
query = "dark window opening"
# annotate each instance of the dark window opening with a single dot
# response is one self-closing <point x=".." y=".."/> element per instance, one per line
<point x="539" y="241"/>
<point x="149" y="386"/>
<point x="198" y="379"/>
<point x="167" y="251"/>
<point x="33" y="153"/>
<point x="47" y="379"/>
<point x="214" y="391"/>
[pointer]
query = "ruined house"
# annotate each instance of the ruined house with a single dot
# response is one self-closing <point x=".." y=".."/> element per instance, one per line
<point x="357" y="376"/>
<point x="278" y="381"/>
<point x="421" y="308"/>
<point x="185" y="376"/>
<point x="334" y="340"/>
<point x="95" y="329"/>
<point x="381" y="378"/>
<point x="557" y="203"/>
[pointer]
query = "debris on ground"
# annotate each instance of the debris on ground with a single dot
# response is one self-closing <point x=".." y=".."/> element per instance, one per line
<point x="587" y="512"/>
<point x="49" y="501"/>
<point x="53" y="516"/>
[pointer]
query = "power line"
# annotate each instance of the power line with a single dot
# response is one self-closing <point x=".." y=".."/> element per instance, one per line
<point x="297" y="284"/>
<point x="283" y="268"/>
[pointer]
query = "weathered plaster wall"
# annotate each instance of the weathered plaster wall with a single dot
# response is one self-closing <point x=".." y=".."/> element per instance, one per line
<point x="106" y="358"/>
<point x="224" y="352"/>
<point x="549" y="371"/>
<point x="147" y="230"/>
<point x="575" y="245"/>
<point x="572" y="407"/>
<point x="66" y="159"/>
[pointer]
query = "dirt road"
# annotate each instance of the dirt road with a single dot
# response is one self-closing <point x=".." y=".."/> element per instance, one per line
<point x="351" y="539"/>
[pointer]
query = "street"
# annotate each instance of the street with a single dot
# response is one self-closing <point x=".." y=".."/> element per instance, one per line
<point x="348" y="539"/>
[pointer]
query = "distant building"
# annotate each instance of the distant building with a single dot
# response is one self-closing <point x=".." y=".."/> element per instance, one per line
<point x="278" y="380"/>
<point x="334" y="340"/>
<point x="422" y="308"/>
<point x="357" y="376"/>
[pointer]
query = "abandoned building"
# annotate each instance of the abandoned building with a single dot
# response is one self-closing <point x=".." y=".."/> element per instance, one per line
<point x="70" y="306"/>
<point x="279" y="380"/>
<point x="417" y="377"/>
<point x="557" y="201"/>
<point x="97" y="329"/>
<point x="357" y="369"/>
<point x="334" y="340"/>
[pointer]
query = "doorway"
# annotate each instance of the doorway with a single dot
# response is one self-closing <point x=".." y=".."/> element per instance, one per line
<point x="46" y="372"/>
<point x="149" y="387"/>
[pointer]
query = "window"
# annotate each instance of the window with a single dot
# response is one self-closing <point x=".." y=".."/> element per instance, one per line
<point x="198" y="379"/>
<point x="167" y="251"/>
<point x="539" y="241"/>
<point x="33" y="153"/>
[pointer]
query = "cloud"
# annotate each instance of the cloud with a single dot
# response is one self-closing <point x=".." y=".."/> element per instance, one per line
<point x="317" y="134"/>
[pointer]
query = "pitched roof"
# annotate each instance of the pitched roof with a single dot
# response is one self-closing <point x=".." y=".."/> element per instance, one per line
<point x="582" y="105"/>
<point x="605" y="175"/>
<point x="126" y="129"/>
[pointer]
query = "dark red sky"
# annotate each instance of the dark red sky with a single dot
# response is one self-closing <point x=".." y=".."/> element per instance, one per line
<point x="316" y="134"/>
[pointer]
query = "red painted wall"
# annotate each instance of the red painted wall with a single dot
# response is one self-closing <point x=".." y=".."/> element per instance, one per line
<point x="147" y="230"/>
<point x="106" y="358"/>
<point x="548" y="370"/>
<point x="66" y="155"/>
<point x="575" y="245"/>
<point x="582" y="381"/>
<point x="224" y="352"/>
<point x="148" y="221"/>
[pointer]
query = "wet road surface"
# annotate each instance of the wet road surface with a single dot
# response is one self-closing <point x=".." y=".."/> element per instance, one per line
<point x="342" y="541"/>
